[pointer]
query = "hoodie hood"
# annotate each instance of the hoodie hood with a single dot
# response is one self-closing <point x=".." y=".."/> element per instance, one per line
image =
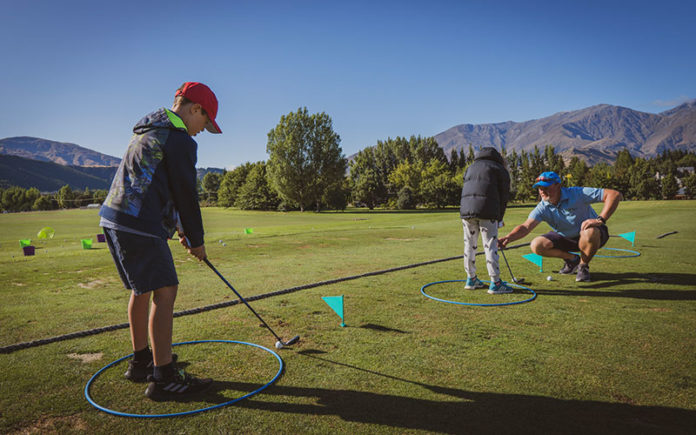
<point x="161" y="118"/>
<point x="489" y="153"/>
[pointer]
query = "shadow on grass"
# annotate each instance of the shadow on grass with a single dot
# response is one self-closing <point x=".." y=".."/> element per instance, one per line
<point x="602" y="280"/>
<point x="381" y="328"/>
<point x="451" y="410"/>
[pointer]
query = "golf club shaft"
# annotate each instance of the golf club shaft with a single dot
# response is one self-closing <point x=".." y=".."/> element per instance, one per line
<point x="241" y="298"/>
<point x="508" y="265"/>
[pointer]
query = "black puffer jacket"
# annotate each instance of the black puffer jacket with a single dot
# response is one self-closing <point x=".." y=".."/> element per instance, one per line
<point x="486" y="187"/>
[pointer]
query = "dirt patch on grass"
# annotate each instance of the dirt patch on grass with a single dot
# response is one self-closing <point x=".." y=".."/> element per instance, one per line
<point x="91" y="284"/>
<point x="86" y="357"/>
<point x="54" y="425"/>
<point x="256" y="246"/>
<point x="662" y="310"/>
<point x="19" y="284"/>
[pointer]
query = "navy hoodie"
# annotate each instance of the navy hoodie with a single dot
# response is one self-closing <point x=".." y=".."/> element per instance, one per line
<point x="156" y="180"/>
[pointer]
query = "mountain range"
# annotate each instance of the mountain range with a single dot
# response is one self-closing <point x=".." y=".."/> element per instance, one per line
<point x="595" y="134"/>
<point x="63" y="153"/>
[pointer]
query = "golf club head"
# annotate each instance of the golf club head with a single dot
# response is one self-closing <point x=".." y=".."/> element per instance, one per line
<point x="292" y="341"/>
<point x="519" y="280"/>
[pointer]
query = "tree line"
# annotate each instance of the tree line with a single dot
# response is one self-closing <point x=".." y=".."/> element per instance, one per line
<point x="306" y="169"/>
<point x="16" y="198"/>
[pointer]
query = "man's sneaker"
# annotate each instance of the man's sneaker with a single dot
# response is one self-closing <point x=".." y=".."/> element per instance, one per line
<point x="178" y="386"/>
<point x="583" y="273"/>
<point x="474" y="283"/>
<point x="570" y="266"/>
<point x="138" y="371"/>
<point x="499" y="288"/>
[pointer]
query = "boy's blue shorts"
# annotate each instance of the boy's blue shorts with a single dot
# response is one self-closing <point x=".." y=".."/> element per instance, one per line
<point x="144" y="263"/>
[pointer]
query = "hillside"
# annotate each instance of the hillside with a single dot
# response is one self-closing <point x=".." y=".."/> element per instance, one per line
<point x="595" y="134"/>
<point x="58" y="152"/>
<point x="49" y="176"/>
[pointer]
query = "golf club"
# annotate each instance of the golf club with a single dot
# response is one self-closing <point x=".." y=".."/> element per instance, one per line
<point x="515" y="280"/>
<point x="280" y="343"/>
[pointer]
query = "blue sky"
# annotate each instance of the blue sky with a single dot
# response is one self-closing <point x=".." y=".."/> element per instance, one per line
<point x="86" y="71"/>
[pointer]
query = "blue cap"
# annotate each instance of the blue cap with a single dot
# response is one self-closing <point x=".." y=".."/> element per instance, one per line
<point x="547" y="179"/>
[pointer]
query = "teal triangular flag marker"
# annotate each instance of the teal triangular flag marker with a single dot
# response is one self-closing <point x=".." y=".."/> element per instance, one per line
<point x="336" y="304"/>
<point x="631" y="237"/>
<point x="536" y="259"/>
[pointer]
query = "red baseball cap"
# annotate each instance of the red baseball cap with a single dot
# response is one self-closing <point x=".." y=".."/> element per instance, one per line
<point x="201" y="94"/>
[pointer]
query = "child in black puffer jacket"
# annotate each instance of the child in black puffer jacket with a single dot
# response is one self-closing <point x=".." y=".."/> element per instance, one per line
<point x="485" y="194"/>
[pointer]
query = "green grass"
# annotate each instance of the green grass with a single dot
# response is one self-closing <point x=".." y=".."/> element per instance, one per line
<point x="613" y="355"/>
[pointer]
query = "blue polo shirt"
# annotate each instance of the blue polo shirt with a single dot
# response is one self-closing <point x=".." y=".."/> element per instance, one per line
<point x="572" y="210"/>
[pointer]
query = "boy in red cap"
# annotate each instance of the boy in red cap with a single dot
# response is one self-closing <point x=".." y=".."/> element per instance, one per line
<point x="153" y="195"/>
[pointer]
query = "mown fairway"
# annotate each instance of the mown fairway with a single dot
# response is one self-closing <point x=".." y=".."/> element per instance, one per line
<point x="613" y="355"/>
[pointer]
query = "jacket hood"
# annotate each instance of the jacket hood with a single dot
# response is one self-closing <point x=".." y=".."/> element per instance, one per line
<point x="161" y="118"/>
<point x="489" y="153"/>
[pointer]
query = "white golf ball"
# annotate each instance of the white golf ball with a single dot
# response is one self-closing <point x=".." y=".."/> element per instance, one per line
<point x="548" y="278"/>
<point x="279" y="345"/>
<point x="224" y="244"/>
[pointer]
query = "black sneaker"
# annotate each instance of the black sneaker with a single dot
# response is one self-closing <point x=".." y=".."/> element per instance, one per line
<point x="583" y="273"/>
<point x="179" y="386"/>
<point x="570" y="266"/>
<point x="140" y="370"/>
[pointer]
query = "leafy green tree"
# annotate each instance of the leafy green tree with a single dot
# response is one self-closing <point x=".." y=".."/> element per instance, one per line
<point x="369" y="189"/>
<point x="577" y="169"/>
<point x="44" y="202"/>
<point x="408" y="174"/>
<point x="337" y="196"/>
<point x="471" y="155"/>
<point x="437" y="186"/>
<point x="66" y="197"/>
<point x="230" y="184"/>
<point x="30" y="198"/>
<point x="305" y="157"/>
<point x="406" y="199"/>
<point x="669" y="185"/>
<point x="211" y="184"/>
<point x="689" y="183"/>
<point x="255" y="193"/>
<point x="525" y="189"/>
<point x="454" y="160"/>
<point x="100" y="196"/>
<point x="601" y="175"/>
<point x="369" y="185"/>
<point x="552" y="161"/>
<point x="688" y="160"/>
<point x="641" y="182"/>
<point x="14" y="199"/>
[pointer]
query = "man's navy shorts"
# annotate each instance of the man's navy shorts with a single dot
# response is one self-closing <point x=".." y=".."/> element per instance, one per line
<point x="570" y="244"/>
<point x="144" y="263"/>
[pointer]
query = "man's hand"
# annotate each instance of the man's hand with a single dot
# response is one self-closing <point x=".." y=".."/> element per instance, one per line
<point x="503" y="241"/>
<point x="589" y="223"/>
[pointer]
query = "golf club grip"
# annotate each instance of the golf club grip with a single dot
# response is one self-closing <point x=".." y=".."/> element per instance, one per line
<point x="240" y="297"/>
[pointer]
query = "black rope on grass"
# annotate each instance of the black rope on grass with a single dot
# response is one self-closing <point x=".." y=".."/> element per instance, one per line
<point x="14" y="347"/>
<point x="666" y="234"/>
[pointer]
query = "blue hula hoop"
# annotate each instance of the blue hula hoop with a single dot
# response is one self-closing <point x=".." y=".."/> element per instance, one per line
<point x="534" y="295"/>
<point x="195" y="411"/>
<point x="635" y="253"/>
